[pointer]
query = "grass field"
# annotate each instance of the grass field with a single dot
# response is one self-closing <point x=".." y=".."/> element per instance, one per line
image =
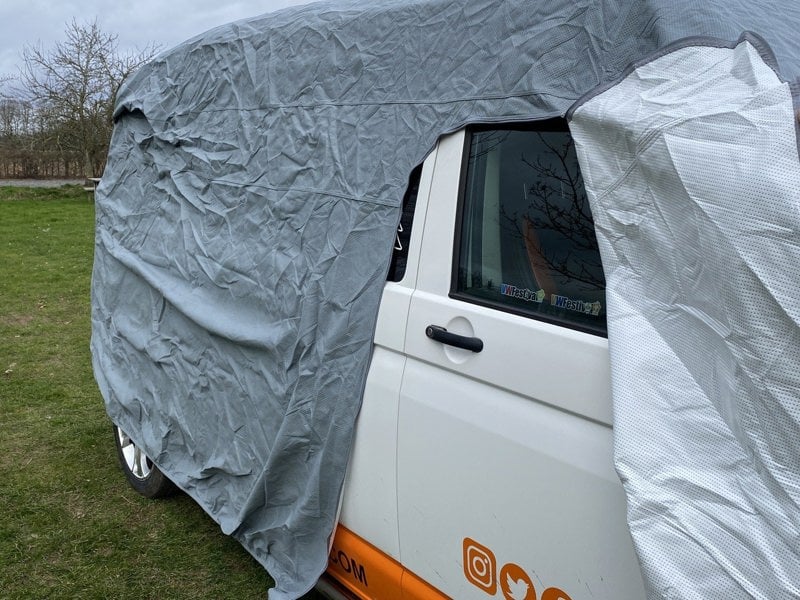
<point x="70" y="527"/>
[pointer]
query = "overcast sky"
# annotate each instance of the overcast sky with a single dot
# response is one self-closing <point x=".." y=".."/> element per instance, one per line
<point x="139" y="23"/>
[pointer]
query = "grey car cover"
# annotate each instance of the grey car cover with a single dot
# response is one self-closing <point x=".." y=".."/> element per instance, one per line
<point x="248" y="210"/>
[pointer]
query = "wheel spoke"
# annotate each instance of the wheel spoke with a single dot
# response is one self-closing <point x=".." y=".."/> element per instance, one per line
<point x="138" y="467"/>
<point x="141" y="468"/>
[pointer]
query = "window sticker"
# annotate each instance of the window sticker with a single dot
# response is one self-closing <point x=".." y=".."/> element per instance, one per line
<point x="522" y="293"/>
<point x="587" y="308"/>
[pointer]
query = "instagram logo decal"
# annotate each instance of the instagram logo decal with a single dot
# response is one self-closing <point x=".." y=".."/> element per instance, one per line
<point x="480" y="569"/>
<point x="480" y="566"/>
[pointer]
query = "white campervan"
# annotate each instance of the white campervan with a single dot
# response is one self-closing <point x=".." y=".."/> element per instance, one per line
<point x="482" y="464"/>
<point x="448" y="432"/>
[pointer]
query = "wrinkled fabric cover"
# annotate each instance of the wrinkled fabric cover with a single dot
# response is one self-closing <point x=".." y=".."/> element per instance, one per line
<point x="696" y="198"/>
<point x="247" y="212"/>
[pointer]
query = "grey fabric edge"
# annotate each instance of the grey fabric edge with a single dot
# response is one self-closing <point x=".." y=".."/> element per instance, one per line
<point x="753" y="38"/>
<point x="758" y="42"/>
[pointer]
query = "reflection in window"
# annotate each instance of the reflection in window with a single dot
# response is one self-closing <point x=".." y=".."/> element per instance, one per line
<point x="527" y="238"/>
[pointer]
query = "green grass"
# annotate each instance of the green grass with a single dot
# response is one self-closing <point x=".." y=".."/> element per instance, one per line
<point x="70" y="527"/>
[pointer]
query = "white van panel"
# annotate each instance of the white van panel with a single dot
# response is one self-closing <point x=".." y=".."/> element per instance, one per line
<point x="369" y="499"/>
<point x="559" y="366"/>
<point x="369" y="503"/>
<point x="533" y="484"/>
<point x="370" y="493"/>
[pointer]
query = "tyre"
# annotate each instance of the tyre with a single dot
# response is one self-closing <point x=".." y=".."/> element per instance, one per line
<point x="142" y="474"/>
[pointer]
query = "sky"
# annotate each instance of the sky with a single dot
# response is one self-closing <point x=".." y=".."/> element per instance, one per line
<point x="164" y="22"/>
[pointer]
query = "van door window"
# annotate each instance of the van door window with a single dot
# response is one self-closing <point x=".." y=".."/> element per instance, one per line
<point x="526" y="240"/>
<point x="397" y="268"/>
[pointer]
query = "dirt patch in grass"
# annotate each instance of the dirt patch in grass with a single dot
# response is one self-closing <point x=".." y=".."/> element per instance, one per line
<point x="15" y="320"/>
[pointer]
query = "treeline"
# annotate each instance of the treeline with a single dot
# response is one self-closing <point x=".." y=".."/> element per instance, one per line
<point x="55" y="118"/>
<point x="31" y="145"/>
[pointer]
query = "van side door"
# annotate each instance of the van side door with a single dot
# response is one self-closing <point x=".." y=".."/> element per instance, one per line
<point x="505" y="478"/>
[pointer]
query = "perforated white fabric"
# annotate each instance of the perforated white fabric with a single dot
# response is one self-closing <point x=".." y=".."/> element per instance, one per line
<point x="691" y="167"/>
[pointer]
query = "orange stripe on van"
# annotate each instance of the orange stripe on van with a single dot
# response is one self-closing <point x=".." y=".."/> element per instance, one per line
<point x="415" y="588"/>
<point x="369" y="574"/>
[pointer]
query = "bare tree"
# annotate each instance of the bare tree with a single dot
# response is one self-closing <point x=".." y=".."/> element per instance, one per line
<point x="74" y="86"/>
<point x="558" y="206"/>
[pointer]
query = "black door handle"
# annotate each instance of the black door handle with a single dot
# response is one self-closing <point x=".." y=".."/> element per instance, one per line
<point x="440" y="334"/>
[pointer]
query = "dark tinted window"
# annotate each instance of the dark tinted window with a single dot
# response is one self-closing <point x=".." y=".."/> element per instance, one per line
<point x="527" y="241"/>
<point x="400" y="254"/>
